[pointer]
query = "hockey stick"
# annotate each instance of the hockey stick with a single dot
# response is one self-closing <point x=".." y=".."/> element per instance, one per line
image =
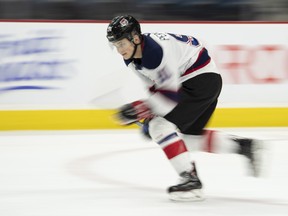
<point x="144" y="129"/>
<point x="140" y="124"/>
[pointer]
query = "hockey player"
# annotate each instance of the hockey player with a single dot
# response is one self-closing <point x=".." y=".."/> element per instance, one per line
<point x="185" y="84"/>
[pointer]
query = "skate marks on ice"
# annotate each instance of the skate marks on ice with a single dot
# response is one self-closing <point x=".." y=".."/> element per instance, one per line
<point x="224" y="176"/>
<point x="114" y="168"/>
<point x="117" y="173"/>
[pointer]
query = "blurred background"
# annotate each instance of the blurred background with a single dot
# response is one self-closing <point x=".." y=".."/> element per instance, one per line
<point x="198" y="10"/>
<point x="56" y="77"/>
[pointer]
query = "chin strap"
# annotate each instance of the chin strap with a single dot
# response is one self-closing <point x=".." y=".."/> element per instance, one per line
<point x="135" y="49"/>
<point x="135" y="46"/>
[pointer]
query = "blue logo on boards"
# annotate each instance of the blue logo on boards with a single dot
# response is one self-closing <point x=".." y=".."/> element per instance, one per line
<point x="32" y="60"/>
<point x="24" y="88"/>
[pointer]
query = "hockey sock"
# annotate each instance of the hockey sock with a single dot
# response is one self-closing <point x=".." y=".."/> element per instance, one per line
<point x="177" y="153"/>
<point x="211" y="141"/>
<point x="165" y="134"/>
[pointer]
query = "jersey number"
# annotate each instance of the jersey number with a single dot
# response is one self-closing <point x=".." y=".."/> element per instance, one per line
<point x="186" y="39"/>
<point x="162" y="36"/>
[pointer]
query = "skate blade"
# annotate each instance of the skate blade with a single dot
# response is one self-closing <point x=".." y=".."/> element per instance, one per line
<point x="187" y="196"/>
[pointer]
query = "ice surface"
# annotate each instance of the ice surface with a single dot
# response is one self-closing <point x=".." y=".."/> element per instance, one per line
<point x="85" y="173"/>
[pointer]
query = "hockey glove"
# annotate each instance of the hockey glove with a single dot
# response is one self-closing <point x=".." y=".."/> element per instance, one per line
<point x="132" y="112"/>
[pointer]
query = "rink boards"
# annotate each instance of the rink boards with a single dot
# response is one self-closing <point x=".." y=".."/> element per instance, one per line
<point x="102" y="119"/>
<point x="64" y="75"/>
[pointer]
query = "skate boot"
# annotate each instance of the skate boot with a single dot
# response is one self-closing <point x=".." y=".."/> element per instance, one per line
<point x="250" y="148"/>
<point x="189" y="189"/>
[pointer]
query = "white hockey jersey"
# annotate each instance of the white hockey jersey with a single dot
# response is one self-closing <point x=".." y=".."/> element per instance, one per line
<point x="167" y="61"/>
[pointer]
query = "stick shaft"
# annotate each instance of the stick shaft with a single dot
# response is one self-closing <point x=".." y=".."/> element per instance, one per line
<point x="139" y="124"/>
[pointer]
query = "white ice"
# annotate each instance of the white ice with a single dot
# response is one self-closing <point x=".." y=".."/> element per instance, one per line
<point x="85" y="173"/>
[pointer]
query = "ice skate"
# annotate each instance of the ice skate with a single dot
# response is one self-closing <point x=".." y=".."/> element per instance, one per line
<point x="190" y="188"/>
<point x="251" y="149"/>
